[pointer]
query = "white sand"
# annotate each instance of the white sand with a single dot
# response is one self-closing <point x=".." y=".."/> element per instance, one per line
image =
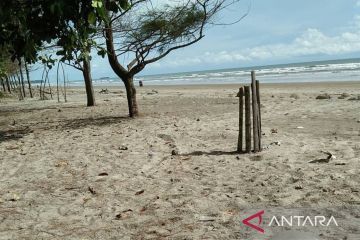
<point x="51" y="156"/>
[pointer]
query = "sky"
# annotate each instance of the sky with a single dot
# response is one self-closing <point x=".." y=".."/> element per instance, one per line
<point x="273" y="32"/>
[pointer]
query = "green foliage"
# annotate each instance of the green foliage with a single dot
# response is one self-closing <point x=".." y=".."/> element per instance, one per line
<point x="7" y="67"/>
<point x="27" y="25"/>
<point x="166" y="27"/>
<point x="164" y="23"/>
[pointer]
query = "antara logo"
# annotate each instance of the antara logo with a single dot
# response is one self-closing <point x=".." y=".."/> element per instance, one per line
<point x="256" y="227"/>
<point x="290" y="221"/>
<point x="302" y="221"/>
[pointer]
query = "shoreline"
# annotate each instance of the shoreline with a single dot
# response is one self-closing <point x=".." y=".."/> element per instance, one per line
<point x="211" y="85"/>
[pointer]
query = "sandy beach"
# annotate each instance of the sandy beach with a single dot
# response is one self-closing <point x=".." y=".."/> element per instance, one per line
<point x="68" y="171"/>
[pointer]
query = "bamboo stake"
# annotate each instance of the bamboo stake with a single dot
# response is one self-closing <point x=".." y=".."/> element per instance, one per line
<point x="247" y="120"/>
<point x="255" y="113"/>
<point x="241" y="119"/>
<point x="259" y="112"/>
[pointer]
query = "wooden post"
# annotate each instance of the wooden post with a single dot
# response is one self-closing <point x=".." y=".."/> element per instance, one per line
<point x="255" y="113"/>
<point x="259" y="112"/>
<point x="241" y="120"/>
<point x="247" y="120"/>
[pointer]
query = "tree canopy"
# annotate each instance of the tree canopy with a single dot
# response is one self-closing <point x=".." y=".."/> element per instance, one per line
<point x="26" y="25"/>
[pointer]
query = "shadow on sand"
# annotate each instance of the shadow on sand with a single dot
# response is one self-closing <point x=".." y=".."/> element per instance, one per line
<point x="211" y="153"/>
<point x="90" y="121"/>
<point x="14" y="134"/>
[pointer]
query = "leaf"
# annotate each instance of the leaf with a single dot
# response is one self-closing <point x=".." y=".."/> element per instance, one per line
<point x="124" y="4"/>
<point x="61" y="52"/>
<point x="92" y="18"/>
<point x="102" y="14"/>
<point x="96" y="4"/>
<point x="102" y="53"/>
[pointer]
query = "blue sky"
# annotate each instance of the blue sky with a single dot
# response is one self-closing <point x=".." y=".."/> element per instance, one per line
<point x="274" y="31"/>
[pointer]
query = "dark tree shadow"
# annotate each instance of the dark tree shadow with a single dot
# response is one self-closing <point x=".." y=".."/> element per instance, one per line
<point x="85" y="122"/>
<point x="211" y="153"/>
<point x="14" y="134"/>
<point x="33" y="109"/>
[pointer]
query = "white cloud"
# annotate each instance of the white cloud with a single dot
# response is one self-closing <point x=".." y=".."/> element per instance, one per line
<point x="358" y="3"/>
<point x="310" y="42"/>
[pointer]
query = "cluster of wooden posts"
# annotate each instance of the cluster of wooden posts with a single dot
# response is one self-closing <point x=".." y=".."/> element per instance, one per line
<point x="252" y="107"/>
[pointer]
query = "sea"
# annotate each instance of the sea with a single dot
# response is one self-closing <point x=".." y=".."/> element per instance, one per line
<point x="319" y="71"/>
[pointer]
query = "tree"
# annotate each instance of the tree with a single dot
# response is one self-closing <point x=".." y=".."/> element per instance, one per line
<point x="27" y="25"/>
<point x="8" y="69"/>
<point x="148" y="34"/>
<point x="28" y="78"/>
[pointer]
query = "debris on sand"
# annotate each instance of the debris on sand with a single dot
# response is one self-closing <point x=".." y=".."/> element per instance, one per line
<point x="140" y="192"/>
<point x="14" y="198"/>
<point x="91" y="190"/>
<point x="354" y="98"/>
<point x="123" y="148"/>
<point x="294" y="96"/>
<point x="275" y="143"/>
<point x="103" y="174"/>
<point x="344" y="95"/>
<point x="329" y="157"/>
<point x="104" y="91"/>
<point x="323" y="96"/>
<point x="206" y="219"/>
<point x="152" y="92"/>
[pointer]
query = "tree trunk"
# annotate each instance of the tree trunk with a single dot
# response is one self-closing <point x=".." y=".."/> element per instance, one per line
<point x="7" y="81"/>
<point x="121" y="72"/>
<point x="28" y="79"/>
<point x="11" y="81"/>
<point x="22" y="81"/>
<point x="21" y="95"/>
<point x="88" y="83"/>
<point x="3" y="84"/>
<point x="131" y="96"/>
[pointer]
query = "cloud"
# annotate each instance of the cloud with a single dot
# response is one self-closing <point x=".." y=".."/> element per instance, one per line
<point x="358" y="3"/>
<point x="310" y="42"/>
